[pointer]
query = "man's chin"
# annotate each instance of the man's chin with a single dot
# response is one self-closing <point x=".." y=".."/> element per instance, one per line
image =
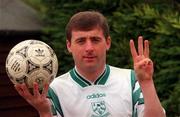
<point x="90" y="66"/>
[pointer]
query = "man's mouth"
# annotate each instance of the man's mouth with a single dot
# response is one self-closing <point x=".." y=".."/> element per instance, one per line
<point x="89" y="57"/>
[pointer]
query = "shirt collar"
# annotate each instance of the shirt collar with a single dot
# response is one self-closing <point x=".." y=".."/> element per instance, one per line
<point x="83" y="82"/>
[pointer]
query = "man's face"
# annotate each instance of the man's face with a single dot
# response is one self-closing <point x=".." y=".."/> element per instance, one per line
<point x="89" y="48"/>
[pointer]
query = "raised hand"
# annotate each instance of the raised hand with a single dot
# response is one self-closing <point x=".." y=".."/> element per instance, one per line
<point x="143" y="65"/>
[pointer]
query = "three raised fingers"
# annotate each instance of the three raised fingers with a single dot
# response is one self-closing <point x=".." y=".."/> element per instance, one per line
<point x="142" y="50"/>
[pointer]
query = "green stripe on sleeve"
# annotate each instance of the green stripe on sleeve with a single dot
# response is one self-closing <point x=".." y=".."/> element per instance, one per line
<point x="136" y="92"/>
<point x="136" y="96"/>
<point x="53" y="97"/>
<point x="141" y="101"/>
<point x="133" y="81"/>
<point x="53" y="110"/>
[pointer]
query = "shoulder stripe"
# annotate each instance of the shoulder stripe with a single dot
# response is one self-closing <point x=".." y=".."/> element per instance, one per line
<point x="136" y="90"/>
<point x="141" y="101"/>
<point x="55" y="100"/>
<point x="137" y="96"/>
<point x="133" y="80"/>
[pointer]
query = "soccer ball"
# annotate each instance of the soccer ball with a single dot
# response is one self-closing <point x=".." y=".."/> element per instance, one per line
<point x="31" y="61"/>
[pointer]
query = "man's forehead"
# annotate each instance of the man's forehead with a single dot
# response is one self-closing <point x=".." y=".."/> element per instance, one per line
<point x="90" y="33"/>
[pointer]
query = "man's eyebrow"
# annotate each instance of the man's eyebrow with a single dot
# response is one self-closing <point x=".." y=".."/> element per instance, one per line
<point x="95" y="37"/>
<point x="79" y="38"/>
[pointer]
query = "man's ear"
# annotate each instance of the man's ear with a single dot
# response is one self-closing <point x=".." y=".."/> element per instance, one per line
<point x="68" y="45"/>
<point x="108" y="43"/>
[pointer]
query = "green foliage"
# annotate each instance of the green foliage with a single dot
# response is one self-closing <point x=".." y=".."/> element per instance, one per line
<point x="162" y="29"/>
<point x="157" y="21"/>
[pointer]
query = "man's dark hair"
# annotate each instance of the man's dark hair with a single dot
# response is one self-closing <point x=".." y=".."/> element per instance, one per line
<point x="85" y="21"/>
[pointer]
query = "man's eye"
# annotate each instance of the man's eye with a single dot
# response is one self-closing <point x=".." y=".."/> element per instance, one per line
<point x="80" y="41"/>
<point x="95" y="40"/>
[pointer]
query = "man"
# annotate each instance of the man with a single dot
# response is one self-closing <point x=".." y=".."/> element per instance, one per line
<point x="93" y="88"/>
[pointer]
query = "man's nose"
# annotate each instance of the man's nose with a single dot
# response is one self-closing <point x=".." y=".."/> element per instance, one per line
<point x="89" y="46"/>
